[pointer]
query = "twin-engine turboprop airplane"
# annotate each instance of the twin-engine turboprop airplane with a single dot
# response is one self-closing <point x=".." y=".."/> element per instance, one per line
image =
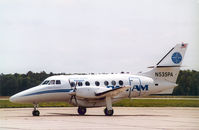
<point x="100" y="90"/>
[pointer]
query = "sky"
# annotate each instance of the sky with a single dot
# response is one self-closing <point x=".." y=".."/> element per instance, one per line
<point x="85" y="36"/>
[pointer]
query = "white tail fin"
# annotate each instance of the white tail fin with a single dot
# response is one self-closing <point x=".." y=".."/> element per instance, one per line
<point x="169" y="66"/>
<point x="174" y="57"/>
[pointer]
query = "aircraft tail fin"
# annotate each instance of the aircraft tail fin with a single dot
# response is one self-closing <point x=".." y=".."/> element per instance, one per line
<point x="169" y="66"/>
<point x="174" y="57"/>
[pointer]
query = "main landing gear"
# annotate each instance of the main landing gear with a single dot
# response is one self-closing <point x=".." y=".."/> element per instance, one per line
<point x="108" y="111"/>
<point x="35" y="112"/>
<point x="81" y="110"/>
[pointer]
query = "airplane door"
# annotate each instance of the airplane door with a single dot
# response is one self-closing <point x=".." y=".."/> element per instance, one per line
<point x="135" y="87"/>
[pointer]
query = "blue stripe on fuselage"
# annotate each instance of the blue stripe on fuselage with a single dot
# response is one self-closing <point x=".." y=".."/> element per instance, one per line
<point x="50" y="91"/>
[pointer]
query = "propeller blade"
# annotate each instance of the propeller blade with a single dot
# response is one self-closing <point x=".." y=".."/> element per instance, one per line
<point x="74" y="96"/>
<point x="75" y="100"/>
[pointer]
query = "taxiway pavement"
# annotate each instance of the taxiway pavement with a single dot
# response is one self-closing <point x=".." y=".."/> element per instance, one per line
<point x="139" y="118"/>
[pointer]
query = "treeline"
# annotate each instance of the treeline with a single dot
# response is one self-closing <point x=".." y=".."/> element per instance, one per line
<point x="13" y="83"/>
<point x="188" y="82"/>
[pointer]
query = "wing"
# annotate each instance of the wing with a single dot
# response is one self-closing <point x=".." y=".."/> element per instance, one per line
<point x="112" y="92"/>
<point x="96" y="92"/>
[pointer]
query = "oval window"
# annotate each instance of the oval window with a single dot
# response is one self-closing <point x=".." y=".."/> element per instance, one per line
<point x="121" y="82"/>
<point x="113" y="83"/>
<point x="87" y="83"/>
<point x="72" y="84"/>
<point x="79" y="83"/>
<point x="97" y="83"/>
<point x="106" y="83"/>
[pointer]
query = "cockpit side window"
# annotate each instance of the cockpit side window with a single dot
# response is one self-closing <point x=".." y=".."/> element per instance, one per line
<point x="58" y="82"/>
<point x="51" y="82"/>
<point x="45" y="82"/>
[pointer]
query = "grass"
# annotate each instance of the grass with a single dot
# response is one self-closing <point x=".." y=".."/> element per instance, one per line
<point x="157" y="103"/>
<point x="8" y="104"/>
<point x="170" y="96"/>
<point x="151" y="96"/>
<point x="122" y="103"/>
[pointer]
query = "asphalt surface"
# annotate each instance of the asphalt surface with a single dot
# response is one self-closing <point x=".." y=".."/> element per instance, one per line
<point x="137" y="118"/>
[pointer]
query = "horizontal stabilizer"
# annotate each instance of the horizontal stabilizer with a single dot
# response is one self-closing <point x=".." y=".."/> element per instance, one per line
<point x="164" y="66"/>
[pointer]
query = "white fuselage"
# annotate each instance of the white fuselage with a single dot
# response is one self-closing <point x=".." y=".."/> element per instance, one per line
<point x="61" y="87"/>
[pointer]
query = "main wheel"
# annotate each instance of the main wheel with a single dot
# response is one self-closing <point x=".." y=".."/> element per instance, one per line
<point x="35" y="113"/>
<point x="108" y="112"/>
<point x="81" y="110"/>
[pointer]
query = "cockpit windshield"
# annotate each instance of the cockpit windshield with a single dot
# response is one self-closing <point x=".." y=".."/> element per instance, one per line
<point x="45" y="82"/>
<point x="51" y="82"/>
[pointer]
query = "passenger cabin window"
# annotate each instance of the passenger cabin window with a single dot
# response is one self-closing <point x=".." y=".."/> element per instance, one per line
<point x="106" y="83"/>
<point x="79" y="83"/>
<point x="113" y="83"/>
<point x="121" y="82"/>
<point x="97" y="83"/>
<point x="52" y="82"/>
<point x="45" y="82"/>
<point x="87" y="83"/>
<point x="72" y="84"/>
<point x="58" y="82"/>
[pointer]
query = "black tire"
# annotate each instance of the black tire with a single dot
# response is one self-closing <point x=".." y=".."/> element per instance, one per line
<point x="108" y="112"/>
<point x="81" y="110"/>
<point x="35" y="113"/>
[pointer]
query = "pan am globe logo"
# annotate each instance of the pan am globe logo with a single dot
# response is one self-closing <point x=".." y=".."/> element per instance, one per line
<point x="176" y="57"/>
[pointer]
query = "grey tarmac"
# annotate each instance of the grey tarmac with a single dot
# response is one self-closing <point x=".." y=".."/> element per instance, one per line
<point x="137" y="118"/>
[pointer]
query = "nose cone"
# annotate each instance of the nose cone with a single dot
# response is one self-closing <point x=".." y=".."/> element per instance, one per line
<point x="15" y="99"/>
<point x="25" y="96"/>
<point x="12" y="98"/>
<point x="19" y="97"/>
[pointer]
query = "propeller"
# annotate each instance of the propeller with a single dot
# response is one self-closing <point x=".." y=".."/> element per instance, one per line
<point x="129" y="93"/>
<point x="73" y="96"/>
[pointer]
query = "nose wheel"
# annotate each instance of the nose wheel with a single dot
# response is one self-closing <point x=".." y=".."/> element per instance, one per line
<point x="81" y="110"/>
<point x="35" y="112"/>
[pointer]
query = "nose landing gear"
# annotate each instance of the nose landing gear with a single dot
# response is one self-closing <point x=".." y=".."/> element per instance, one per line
<point x="81" y="110"/>
<point x="35" y="112"/>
